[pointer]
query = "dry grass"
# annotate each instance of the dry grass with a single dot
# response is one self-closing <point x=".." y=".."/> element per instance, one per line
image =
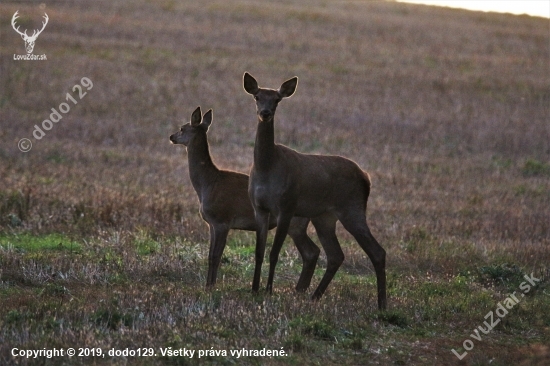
<point x="448" y="111"/>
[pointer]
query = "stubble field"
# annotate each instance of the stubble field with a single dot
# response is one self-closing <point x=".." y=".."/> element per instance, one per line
<point x="101" y="243"/>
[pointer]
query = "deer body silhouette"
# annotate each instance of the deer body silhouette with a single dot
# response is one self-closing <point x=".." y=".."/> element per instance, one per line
<point x="285" y="183"/>
<point x="29" y="40"/>
<point x="224" y="202"/>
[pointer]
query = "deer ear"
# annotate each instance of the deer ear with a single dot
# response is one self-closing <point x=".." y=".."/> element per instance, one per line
<point x="207" y="119"/>
<point x="196" y="117"/>
<point x="288" y="87"/>
<point x="250" y="84"/>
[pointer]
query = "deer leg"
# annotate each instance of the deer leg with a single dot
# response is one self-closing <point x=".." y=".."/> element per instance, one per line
<point x="326" y="230"/>
<point x="308" y="251"/>
<point x="218" y="239"/>
<point x="209" y="281"/>
<point x="262" y="227"/>
<point x="283" y="222"/>
<point x="356" y="224"/>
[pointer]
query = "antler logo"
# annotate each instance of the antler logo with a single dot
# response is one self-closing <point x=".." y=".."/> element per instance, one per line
<point x="29" y="40"/>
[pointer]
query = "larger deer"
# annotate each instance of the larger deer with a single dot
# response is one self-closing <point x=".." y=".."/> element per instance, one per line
<point x="285" y="183"/>
<point x="224" y="202"/>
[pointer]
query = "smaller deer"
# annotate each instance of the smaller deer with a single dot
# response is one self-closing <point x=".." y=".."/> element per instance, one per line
<point x="224" y="202"/>
<point x="29" y="40"/>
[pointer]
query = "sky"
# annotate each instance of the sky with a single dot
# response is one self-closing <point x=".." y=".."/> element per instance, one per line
<point x="539" y="8"/>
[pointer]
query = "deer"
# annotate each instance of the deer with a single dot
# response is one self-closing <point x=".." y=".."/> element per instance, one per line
<point x="29" y="40"/>
<point x="285" y="183"/>
<point x="224" y="202"/>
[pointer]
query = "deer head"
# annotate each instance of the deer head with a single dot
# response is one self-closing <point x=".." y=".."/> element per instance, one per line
<point x="268" y="99"/>
<point x="29" y="40"/>
<point x="198" y="124"/>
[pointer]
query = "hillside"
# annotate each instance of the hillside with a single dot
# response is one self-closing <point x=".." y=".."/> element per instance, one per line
<point x="101" y="243"/>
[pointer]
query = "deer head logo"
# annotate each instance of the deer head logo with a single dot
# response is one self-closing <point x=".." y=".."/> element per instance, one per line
<point x="29" y="40"/>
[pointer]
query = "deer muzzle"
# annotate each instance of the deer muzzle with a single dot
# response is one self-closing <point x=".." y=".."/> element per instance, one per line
<point x="265" y="115"/>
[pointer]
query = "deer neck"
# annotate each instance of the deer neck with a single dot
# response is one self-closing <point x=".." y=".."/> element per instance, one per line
<point x="264" y="147"/>
<point x="202" y="170"/>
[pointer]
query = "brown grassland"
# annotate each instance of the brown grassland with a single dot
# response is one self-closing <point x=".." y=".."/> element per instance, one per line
<point x="101" y="244"/>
